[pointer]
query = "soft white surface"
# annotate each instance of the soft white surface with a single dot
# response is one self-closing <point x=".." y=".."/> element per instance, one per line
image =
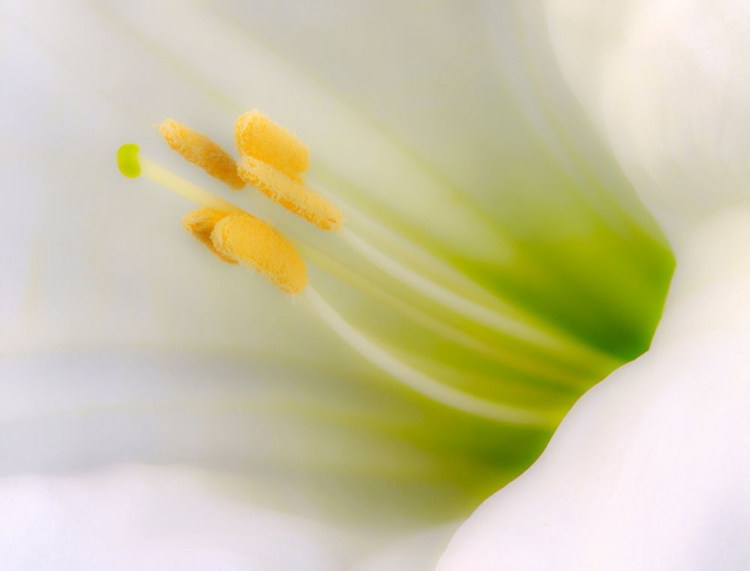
<point x="666" y="82"/>
<point x="143" y="518"/>
<point x="414" y="552"/>
<point x="649" y="471"/>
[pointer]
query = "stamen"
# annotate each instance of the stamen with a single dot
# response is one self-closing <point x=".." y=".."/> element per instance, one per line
<point x="290" y="194"/>
<point x="504" y="323"/>
<point x="253" y="243"/>
<point x="274" y="161"/>
<point x="552" y="372"/>
<point x="200" y="223"/>
<point x="419" y="381"/>
<point x="257" y="136"/>
<point x="235" y="235"/>
<point x="202" y="151"/>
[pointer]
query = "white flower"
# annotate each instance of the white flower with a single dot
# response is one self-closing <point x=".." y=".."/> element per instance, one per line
<point x="496" y="262"/>
<point x="650" y="469"/>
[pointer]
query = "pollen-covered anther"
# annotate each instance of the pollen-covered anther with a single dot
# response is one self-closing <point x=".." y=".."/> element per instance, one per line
<point x="202" y="151"/>
<point x="245" y="239"/>
<point x="274" y="161"/>
<point x="200" y="223"/>
<point x="292" y="195"/>
<point x="257" y="136"/>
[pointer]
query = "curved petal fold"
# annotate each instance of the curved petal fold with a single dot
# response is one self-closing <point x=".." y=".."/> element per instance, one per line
<point x="664" y="82"/>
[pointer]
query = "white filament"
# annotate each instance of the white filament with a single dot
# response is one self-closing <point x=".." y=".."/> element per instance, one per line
<point x="415" y="379"/>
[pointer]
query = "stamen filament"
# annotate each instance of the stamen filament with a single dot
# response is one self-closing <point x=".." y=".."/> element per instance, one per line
<point x="417" y="380"/>
<point x="521" y="325"/>
<point x="445" y="297"/>
<point x="555" y="374"/>
<point x="411" y="252"/>
<point x="478" y="313"/>
<point x="184" y="188"/>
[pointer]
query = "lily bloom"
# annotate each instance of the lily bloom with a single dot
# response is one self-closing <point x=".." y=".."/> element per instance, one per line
<point x="493" y="264"/>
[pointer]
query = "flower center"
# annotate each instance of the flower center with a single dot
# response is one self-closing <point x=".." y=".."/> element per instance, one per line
<point x="272" y="160"/>
<point x="546" y="365"/>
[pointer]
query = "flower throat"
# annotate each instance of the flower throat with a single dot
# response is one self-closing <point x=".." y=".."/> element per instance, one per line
<point x="275" y="162"/>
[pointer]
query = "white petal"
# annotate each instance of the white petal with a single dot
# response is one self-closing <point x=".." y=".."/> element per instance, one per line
<point x="334" y="442"/>
<point x="650" y="469"/>
<point x="666" y="82"/>
<point x="135" y="517"/>
<point x="417" y="552"/>
<point x="444" y="82"/>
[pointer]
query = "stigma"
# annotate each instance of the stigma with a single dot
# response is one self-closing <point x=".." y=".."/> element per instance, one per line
<point x="270" y="159"/>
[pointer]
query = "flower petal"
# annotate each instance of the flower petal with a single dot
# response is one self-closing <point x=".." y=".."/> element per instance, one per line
<point x="650" y="468"/>
<point x="136" y="517"/>
<point x="665" y="82"/>
<point x="345" y="443"/>
<point x="648" y="471"/>
<point x="416" y="552"/>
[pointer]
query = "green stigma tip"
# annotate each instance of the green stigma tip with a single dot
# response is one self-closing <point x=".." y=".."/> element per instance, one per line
<point x="127" y="160"/>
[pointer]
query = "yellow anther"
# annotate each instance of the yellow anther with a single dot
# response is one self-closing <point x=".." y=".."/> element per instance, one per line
<point x="200" y="223"/>
<point x="231" y="233"/>
<point x="290" y="194"/>
<point x="259" y="137"/>
<point x="202" y="151"/>
<point x="258" y="245"/>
